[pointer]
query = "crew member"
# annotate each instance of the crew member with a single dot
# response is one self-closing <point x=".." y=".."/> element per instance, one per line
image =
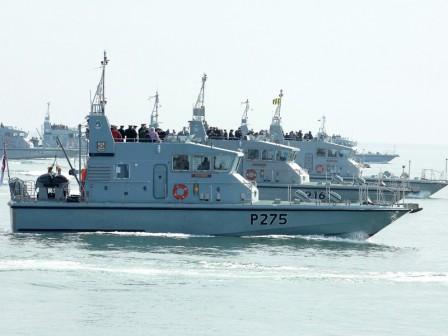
<point x="130" y="134"/>
<point x="122" y="132"/>
<point x="115" y="134"/>
<point x="143" y="133"/>
<point x="153" y="135"/>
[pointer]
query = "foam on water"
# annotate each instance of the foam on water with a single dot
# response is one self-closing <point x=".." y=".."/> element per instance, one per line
<point x="227" y="270"/>
<point x="355" y="238"/>
<point x="146" y="234"/>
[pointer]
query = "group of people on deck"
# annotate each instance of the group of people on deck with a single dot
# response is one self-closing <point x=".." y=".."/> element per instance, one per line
<point x="217" y="133"/>
<point x="151" y="134"/>
<point x="299" y="136"/>
<point x="143" y="134"/>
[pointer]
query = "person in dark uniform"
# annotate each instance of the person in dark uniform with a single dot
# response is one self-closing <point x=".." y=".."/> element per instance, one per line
<point x="129" y="132"/>
<point x="205" y="164"/>
<point x="143" y="133"/>
<point x="135" y="133"/>
<point x="122" y="132"/>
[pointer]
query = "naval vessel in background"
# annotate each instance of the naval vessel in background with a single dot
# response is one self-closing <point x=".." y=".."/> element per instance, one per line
<point x="46" y="145"/>
<point x="378" y="158"/>
<point x="360" y="156"/>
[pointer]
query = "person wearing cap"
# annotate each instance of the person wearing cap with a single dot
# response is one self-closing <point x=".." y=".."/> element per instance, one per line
<point x="122" y="131"/>
<point x="115" y="134"/>
<point x="143" y="133"/>
<point x="130" y="134"/>
<point x="153" y="135"/>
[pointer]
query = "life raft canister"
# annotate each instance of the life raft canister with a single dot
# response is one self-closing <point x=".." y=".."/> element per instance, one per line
<point x="320" y="168"/>
<point x="251" y="174"/>
<point x="180" y="191"/>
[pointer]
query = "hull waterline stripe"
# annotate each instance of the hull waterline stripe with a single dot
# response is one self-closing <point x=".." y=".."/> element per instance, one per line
<point x="194" y="208"/>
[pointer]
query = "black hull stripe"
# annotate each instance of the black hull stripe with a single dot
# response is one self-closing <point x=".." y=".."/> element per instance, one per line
<point x="132" y="231"/>
<point x="194" y="209"/>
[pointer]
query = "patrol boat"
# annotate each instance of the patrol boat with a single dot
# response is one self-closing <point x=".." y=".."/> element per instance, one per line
<point x="174" y="188"/>
<point x="326" y="160"/>
<point x="272" y="166"/>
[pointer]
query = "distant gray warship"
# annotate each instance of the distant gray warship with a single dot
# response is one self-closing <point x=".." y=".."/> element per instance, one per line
<point x="369" y="157"/>
<point x="359" y="156"/>
<point x="174" y="187"/>
<point x="45" y="147"/>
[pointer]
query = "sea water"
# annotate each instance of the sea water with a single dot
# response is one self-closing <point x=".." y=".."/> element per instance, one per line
<point x="395" y="283"/>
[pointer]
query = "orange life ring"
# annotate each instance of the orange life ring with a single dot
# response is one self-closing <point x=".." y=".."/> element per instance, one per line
<point x="180" y="191"/>
<point x="320" y="168"/>
<point x="251" y="174"/>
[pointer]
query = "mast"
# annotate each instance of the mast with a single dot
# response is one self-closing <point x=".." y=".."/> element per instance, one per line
<point x="276" y="130"/>
<point x="199" y="108"/>
<point x="47" y="116"/>
<point x="99" y="100"/>
<point x="246" y="109"/>
<point x="198" y="125"/>
<point x="155" y="111"/>
<point x="322" y="130"/>
<point x="46" y="127"/>
<point x="244" y="125"/>
<point x="276" y="119"/>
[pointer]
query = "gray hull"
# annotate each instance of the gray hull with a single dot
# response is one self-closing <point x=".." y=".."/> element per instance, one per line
<point x="38" y="153"/>
<point x="230" y="220"/>
<point x="375" y="158"/>
<point x="419" y="188"/>
<point x="348" y="193"/>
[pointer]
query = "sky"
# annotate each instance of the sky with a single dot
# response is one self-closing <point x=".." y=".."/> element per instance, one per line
<point x="378" y="70"/>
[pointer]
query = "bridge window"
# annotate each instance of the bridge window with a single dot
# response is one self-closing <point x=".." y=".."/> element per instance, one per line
<point x="253" y="154"/>
<point x="201" y="163"/>
<point x="181" y="162"/>
<point x="292" y="156"/>
<point x="332" y="153"/>
<point x="321" y="152"/>
<point x="267" y="155"/>
<point x="223" y="162"/>
<point x="122" y="171"/>
<point x="281" y="155"/>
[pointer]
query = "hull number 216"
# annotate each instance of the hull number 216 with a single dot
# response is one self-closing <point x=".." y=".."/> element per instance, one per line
<point x="268" y="219"/>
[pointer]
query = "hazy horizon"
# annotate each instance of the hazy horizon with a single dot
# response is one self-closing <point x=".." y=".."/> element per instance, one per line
<point x="377" y="70"/>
